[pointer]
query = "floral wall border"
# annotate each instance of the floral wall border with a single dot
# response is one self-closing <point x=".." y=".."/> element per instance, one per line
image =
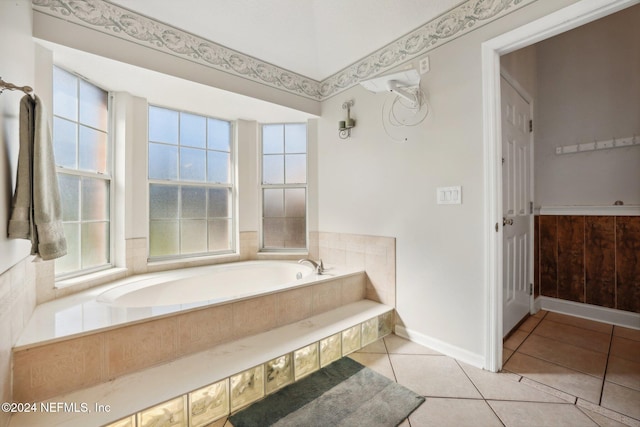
<point x="108" y="18"/>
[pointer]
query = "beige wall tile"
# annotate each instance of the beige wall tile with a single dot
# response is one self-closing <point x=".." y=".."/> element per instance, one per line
<point x="294" y="305"/>
<point x="202" y="329"/>
<point x="254" y="316"/>
<point x="56" y="368"/>
<point x="353" y="288"/>
<point x="327" y="296"/>
<point x="138" y="346"/>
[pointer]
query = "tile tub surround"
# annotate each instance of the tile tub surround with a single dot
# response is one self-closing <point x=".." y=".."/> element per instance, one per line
<point x="213" y="372"/>
<point x="75" y="342"/>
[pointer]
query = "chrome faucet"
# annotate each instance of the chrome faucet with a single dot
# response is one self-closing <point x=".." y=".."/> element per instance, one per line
<point x="318" y="267"/>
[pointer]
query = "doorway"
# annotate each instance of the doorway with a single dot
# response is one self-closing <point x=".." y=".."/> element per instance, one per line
<point x="555" y="23"/>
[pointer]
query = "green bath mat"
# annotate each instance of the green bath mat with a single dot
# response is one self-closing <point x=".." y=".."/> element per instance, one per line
<point x="344" y="393"/>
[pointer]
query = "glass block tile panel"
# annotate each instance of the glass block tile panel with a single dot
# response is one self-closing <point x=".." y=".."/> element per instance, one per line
<point x="163" y="125"/>
<point x="65" y="94"/>
<point x="192" y="164"/>
<point x="385" y="324"/>
<point x="306" y="360"/>
<point x="125" y="422"/>
<point x="295" y="138"/>
<point x="351" y="340"/>
<point x="247" y="387"/>
<point x="65" y="143"/>
<point x="278" y="373"/>
<point x="209" y="403"/>
<point x="272" y="139"/>
<point x="171" y="413"/>
<point x="369" y="331"/>
<point x="218" y="167"/>
<point x="330" y="349"/>
<point x="93" y="106"/>
<point x="295" y="168"/>
<point x="218" y="135"/>
<point x="193" y="130"/>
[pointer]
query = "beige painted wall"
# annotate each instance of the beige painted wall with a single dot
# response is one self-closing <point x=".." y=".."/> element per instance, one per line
<point x="589" y="90"/>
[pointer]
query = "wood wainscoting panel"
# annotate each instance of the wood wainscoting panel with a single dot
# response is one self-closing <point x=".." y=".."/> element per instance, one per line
<point x="628" y="263"/>
<point x="600" y="261"/>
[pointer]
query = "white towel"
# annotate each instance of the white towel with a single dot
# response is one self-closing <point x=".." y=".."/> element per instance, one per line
<point x="36" y="208"/>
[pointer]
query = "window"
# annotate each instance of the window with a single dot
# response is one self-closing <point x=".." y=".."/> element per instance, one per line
<point x="284" y="186"/>
<point x="83" y="158"/>
<point x="190" y="184"/>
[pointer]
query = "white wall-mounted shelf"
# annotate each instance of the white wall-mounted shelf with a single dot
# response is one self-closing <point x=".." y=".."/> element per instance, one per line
<point x="599" y="145"/>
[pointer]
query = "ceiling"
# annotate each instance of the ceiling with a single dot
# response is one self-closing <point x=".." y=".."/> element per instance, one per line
<point x="315" y="38"/>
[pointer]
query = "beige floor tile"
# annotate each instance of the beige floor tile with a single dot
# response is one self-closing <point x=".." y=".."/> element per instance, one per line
<point x="570" y="356"/>
<point x="624" y="372"/>
<point x="515" y="339"/>
<point x="374" y="347"/>
<point x="628" y="333"/>
<point x="625" y="348"/>
<point x="399" y="345"/>
<point x="556" y="376"/>
<point x="621" y="399"/>
<point x="453" y="412"/>
<point x="579" y="322"/>
<point x="605" y="417"/>
<point x="433" y="376"/>
<point x="376" y="362"/>
<point x="581" y="337"/>
<point x="536" y="414"/>
<point x="505" y="386"/>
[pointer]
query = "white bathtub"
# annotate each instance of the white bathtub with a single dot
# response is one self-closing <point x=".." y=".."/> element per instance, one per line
<point x="211" y="284"/>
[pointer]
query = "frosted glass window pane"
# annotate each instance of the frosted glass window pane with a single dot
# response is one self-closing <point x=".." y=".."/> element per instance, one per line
<point x="294" y="233"/>
<point x="219" y="235"/>
<point x="69" y="186"/>
<point x="194" y="202"/>
<point x="163" y="125"/>
<point x="272" y="139"/>
<point x="295" y="201"/>
<point x="65" y="94"/>
<point x="93" y="150"/>
<point x="93" y="106"/>
<point x="163" y="161"/>
<point x="95" y="244"/>
<point x="273" y="169"/>
<point x="193" y="130"/>
<point x="95" y="199"/>
<point x="163" y="201"/>
<point x="219" y="203"/>
<point x="273" y="232"/>
<point x="218" y="167"/>
<point x="192" y="164"/>
<point x="219" y="135"/>
<point x="65" y="134"/>
<point x="71" y="261"/>
<point x="163" y="238"/>
<point x="193" y="236"/>
<point x="296" y="168"/>
<point x="295" y="138"/>
<point x="273" y="202"/>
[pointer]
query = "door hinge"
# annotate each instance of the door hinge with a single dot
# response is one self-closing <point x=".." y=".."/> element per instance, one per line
<point x="530" y="288"/>
<point x="503" y="160"/>
<point x="530" y="125"/>
<point x="531" y="207"/>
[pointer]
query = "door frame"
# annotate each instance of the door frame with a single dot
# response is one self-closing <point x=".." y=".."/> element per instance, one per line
<point x="560" y="21"/>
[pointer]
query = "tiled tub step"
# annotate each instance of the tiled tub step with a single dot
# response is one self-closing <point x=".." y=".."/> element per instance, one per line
<point x="200" y="388"/>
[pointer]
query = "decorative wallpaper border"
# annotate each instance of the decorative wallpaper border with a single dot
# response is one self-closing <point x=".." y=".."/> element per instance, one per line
<point x="108" y="18"/>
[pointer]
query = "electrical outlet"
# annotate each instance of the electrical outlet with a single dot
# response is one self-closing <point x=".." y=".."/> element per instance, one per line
<point x="424" y="65"/>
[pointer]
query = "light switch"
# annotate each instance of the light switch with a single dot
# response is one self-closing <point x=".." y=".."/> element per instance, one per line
<point x="449" y="195"/>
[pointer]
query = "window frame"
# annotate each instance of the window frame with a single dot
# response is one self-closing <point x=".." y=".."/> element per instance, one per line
<point x="232" y="186"/>
<point x="109" y="177"/>
<point x="284" y="186"/>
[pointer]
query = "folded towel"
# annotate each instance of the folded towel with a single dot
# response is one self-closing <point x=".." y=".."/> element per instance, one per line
<point x="36" y="207"/>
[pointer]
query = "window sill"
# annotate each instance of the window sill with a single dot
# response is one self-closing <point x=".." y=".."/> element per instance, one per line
<point x="92" y="279"/>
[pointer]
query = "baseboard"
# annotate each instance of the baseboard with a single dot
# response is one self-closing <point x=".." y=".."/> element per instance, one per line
<point x="447" y="349"/>
<point x="591" y="312"/>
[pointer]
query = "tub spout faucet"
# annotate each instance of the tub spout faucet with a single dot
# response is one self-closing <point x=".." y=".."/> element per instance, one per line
<point x="317" y="266"/>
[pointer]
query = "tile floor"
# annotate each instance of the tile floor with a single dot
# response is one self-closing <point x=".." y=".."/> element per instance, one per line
<point x="559" y="371"/>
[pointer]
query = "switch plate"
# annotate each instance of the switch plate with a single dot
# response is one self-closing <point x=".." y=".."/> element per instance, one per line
<point x="449" y="195"/>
